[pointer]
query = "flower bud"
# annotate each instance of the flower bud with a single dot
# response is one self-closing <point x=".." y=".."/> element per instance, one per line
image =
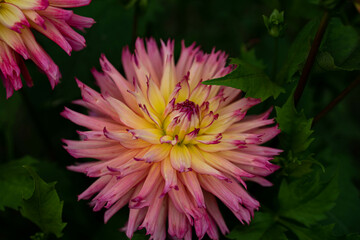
<point x="275" y="23"/>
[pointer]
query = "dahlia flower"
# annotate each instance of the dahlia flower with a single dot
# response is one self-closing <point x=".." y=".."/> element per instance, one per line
<point x="167" y="145"/>
<point x="17" y="42"/>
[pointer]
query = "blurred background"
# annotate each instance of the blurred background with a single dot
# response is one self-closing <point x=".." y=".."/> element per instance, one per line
<point x="31" y="125"/>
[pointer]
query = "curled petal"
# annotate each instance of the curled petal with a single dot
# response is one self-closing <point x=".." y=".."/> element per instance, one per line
<point x="12" y="17"/>
<point x="30" y="4"/>
<point x="14" y="41"/>
<point x="69" y="3"/>
<point x="180" y="158"/>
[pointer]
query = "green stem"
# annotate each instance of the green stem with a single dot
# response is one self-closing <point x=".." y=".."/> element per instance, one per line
<point x="338" y="99"/>
<point x="311" y="57"/>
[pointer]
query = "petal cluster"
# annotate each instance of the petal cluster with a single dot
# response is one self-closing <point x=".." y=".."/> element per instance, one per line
<point x="17" y="42"/>
<point x="168" y="146"/>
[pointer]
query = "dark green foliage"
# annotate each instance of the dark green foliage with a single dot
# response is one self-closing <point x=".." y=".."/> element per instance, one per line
<point x="296" y="128"/>
<point x="22" y="189"/>
<point x="327" y="4"/>
<point x="339" y="50"/>
<point x="316" y="192"/>
<point x="44" y="207"/>
<point x="15" y="183"/>
<point x="263" y="227"/>
<point x="250" y="77"/>
<point x="306" y="199"/>
<point x="318" y="232"/>
<point x="298" y="53"/>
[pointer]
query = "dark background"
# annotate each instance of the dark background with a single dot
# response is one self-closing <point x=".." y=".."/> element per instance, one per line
<point x="30" y="121"/>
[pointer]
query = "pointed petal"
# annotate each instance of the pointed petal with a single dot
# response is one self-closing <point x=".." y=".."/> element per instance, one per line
<point x="126" y="139"/>
<point x="117" y="206"/>
<point x="30" y="4"/>
<point x="214" y="211"/>
<point x="12" y="17"/>
<point x="94" y="123"/>
<point x="151" y="182"/>
<point x="69" y="3"/>
<point x="13" y="40"/>
<point x="53" y="33"/>
<point x="127" y="116"/>
<point x="192" y="184"/>
<point x="178" y="224"/>
<point x="199" y="165"/>
<point x="169" y="175"/>
<point x="156" y="153"/>
<point x="80" y="22"/>
<point x="56" y="13"/>
<point x="151" y="135"/>
<point x="180" y="158"/>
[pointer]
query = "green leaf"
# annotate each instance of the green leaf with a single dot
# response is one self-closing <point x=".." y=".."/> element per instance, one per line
<point x="297" y="166"/>
<point x="15" y="183"/>
<point x="298" y="53"/>
<point x="340" y="40"/>
<point x="314" y="233"/>
<point x="263" y="227"/>
<point x="340" y="49"/>
<point x="295" y="127"/>
<point x="306" y="200"/>
<point x="249" y="78"/>
<point x="44" y="207"/>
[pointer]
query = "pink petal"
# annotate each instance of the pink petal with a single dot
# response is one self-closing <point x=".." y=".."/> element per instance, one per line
<point x="69" y="3"/>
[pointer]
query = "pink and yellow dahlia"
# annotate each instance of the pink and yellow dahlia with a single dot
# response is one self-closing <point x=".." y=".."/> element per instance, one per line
<point x="167" y="145"/>
<point x="17" y="42"/>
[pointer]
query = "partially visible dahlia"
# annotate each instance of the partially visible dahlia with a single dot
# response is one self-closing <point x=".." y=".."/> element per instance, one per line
<point x="168" y="145"/>
<point x="17" y="42"/>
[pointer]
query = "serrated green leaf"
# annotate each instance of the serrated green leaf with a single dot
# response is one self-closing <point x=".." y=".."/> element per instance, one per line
<point x="306" y="200"/>
<point x="44" y="207"/>
<point x="263" y="227"/>
<point x="249" y="57"/>
<point x="295" y="127"/>
<point x="314" y="233"/>
<point x="250" y="79"/>
<point x="15" y="183"/>
<point x="340" y="40"/>
<point x="340" y="49"/>
<point x="296" y="167"/>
